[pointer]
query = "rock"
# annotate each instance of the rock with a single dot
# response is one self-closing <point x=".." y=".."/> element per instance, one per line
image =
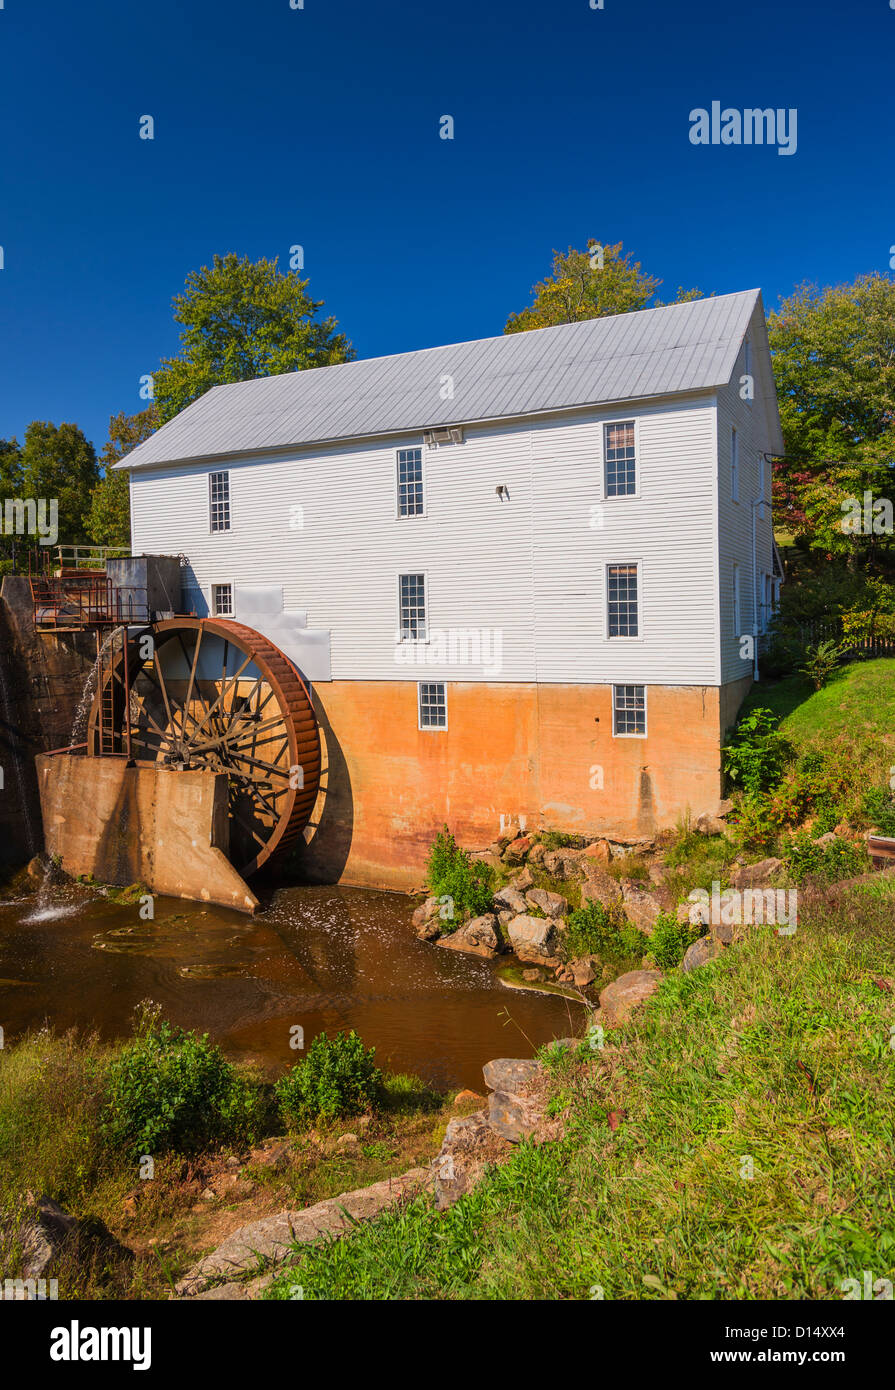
<point x="513" y="1116"/>
<point x="564" y="863"/>
<point x="522" y="880"/>
<point x="694" y="913"/>
<point x="469" y="1145"/>
<point x="552" y="903"/>
<point x="708" y="824"/>
<point x="348" y="1141"/>
<point x="657" y="874"/>
<point x="271" y="1239"/>
<point x="516" y="850"/>
<point x="42" y="1235"/>
<point x="510" y="898"/>
<point x="464" y="1097"/>
<point x="532" y="975"/>
<point x="536" y="854"/>
<point x="564" y="976"/>
<point x="700" y="953"/>
<point x="829" y="839"/>
<point x="505" y="916"/>
<point x="425" y="912"/>
<point x="724" y="808"/>
<point x="619" y="1000"/>
<point x="600" y="887"/>
<point x="487" y="856"/>
<point x="274" y="1154"/>
<point x="35" y="869"/>
<point x="641" y="906"/>
<point x="755" y="875"/>
<point x="478" y="937"/>
<point x="532" y="938"/>
<point x="509" y="1073"/>
<point x="723" y="932"/>
<point x="597" y="851"/>
<point x="583" y="973"/>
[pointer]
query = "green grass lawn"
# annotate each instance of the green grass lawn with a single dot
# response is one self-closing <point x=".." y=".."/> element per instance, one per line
<point x="754" y="1157"/>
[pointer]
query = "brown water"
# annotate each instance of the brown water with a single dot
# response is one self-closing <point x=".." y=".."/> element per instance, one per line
<point x="316" y="958"/>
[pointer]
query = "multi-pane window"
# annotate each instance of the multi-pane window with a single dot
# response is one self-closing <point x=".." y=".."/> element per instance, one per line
<point x="413" y="607"/>
<point x="433" y="705"/>
<point x="623" y="601"/>
<point x="734" y="465"/>
<point x="410" y="482"/>
<point x="621" y="462"/>
<point x="219" y="501"/>
<point x="629" y="710"/>
<point x="222" y="600"/>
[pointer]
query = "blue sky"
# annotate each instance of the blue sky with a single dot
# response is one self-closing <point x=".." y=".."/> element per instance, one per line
<point x="320" y="127"/>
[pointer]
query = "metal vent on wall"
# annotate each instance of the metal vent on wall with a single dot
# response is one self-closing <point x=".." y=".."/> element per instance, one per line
<point x="435" y="439"/>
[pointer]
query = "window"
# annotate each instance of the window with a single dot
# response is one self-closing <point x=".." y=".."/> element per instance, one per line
<point x="621" y="463"/>
<point x="412" y="618"/>
<point x="622" y="597"/>
<point x="737" y="621"/>
<point x="219" y="501"/>
<point x="433" y="704"/>
<point x="222" y="600"/>
<point x="410" y="482"/>
<point x="734" y="466"/>
<point x="629" y="711"/>
<point x="747" y="356"/>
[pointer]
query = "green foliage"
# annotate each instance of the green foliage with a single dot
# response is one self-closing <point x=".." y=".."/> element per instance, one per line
<point x="109" y="522"/>
<point x="837" y="859"/>
<point x="879" y="808"/>
<point x="821" y="660"/>
<point x="670" y="940"/>
<point x="559" y="839"/>
<point x="57" y="461"/>
<point x="602" y="931"/>
<point x="244" y="319"/>
<point x="338" y="1077"/>
<point x="452" y="874"/>
<point x="756" y="756"/>
<point x="174" y="1090"/>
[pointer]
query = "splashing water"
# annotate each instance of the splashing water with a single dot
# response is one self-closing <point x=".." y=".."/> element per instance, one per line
<point x="79" y="723"/>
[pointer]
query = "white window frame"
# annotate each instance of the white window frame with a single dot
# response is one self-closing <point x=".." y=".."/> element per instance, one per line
<point x="617" y="685"/>
<point x="604" y="426"/>
<point x="220" y="584"/>
<point x="403" y="574"/>
<point x="734" y="464"/>
<point x="219" y="530"/>
<point x="412" y="516"/>
<point x="611" y="564"/>
<point x="431" y="728"/>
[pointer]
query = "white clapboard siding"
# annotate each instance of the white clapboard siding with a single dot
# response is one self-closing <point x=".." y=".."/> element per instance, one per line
<point x="527" y="570"/>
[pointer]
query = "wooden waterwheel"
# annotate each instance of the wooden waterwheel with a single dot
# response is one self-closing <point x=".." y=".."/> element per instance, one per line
<point x="211" y="693"/>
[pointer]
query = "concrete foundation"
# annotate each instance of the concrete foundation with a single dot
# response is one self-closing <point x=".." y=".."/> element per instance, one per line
<point x="143" y="824"/>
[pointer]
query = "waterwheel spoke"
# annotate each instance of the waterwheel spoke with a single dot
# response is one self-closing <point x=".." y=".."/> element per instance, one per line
<point x="247" y="662"/>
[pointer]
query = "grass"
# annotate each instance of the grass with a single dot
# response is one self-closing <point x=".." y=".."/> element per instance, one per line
<point x="753" y="1160"/>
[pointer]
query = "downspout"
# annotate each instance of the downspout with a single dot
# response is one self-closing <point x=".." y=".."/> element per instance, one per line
<point x="758" y="502"/>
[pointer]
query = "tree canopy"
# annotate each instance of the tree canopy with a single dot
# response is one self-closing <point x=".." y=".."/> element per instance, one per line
<point x="58" y="461"/>
<point x="243" y="319"/>
<point x="109" y="522"/>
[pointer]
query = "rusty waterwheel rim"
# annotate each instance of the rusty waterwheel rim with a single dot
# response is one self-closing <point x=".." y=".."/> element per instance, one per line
<point x="212" y="693"/>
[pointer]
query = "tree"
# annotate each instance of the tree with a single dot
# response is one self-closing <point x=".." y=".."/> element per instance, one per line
<point x="10" y="469"/>
<point x="590" y="285"/>
<point x="109" y="522"/>
<point x="834" y="363"/>
<point x="59" y="463"/>
<point x="244" y="319"/>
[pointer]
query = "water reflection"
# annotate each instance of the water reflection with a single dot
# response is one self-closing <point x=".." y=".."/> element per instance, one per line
<point x="316" y="958"/>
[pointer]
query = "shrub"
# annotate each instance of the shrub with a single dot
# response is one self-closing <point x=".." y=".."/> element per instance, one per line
<point x="598" y="930"/>
<point x="338" y="1077"/>
<point x="757" y="755"/>
<point x="452" y="874"/>
<point x="671" y="939"/>
<point x="820" y="661"/>
<point x="879" y="808"/>
<point x="174" y="1090"/>
<point x="805" y="858"/>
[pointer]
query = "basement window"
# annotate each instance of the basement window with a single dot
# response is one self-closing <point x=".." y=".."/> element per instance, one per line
<point x="219" y="501"/>
<point x="410" y="482"/>
<point x="629" y="711"/>
<point x="222" y="600"/>
<point x="412" y="604"/>
<point x="433" y="704"/>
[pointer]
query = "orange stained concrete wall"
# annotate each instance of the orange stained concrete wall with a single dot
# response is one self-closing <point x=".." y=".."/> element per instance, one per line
<point x="542" y="755"/>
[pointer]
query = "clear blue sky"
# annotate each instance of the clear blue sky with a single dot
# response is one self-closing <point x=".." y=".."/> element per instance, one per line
<point x="319" y="126"/>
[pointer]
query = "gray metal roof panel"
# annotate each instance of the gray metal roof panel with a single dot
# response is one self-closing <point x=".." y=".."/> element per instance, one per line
<point x="653" y="352"/>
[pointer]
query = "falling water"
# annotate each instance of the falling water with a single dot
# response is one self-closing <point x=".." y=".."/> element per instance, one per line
<point x="79" y="723"/>
<point x="16" y="760"/>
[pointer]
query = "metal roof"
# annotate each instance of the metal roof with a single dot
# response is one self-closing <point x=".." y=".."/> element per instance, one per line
<point x="653" y="352"/>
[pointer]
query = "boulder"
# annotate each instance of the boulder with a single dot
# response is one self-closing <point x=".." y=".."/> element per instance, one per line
<point x="583" y="973"/>
<point x="755" y="875"/>
<point x="477" y="937"/>
<point x="829" y="839"/>
<point x="532" y="938"/>
<point x="695" y="913"/>
<point x="522" y="880"/>
<point x="619" y="1000"/>
<point x="536" y="853"/>
<point x="509" y="1074"/>
<point x="600" y="887"/>
<point x="596" y="852"/>
<point x="552" y="903"/>
<point x="517" y="849"/>
<point x="513" y="1116"/>
<point x="641" y="906"/>
<point x="700" y="953"/>
<point x="510" y="898"/>
<point x="709" y="824"/>
<point x="42" y="1235"/>
<point x="425" y="912"/>
<point x="469" y="1145"/>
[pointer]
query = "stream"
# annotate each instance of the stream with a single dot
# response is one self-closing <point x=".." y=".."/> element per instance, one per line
<point x="320" y="958"/>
